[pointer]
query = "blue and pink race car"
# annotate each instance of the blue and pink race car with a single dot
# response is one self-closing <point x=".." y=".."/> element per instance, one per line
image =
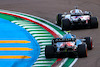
<point x="68" y="46"/>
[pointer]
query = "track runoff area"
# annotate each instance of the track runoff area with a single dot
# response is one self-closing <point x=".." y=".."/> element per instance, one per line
<point x="43" y="31"/>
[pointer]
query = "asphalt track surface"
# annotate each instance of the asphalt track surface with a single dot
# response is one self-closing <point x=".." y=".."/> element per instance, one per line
<point x="48" y="9"/>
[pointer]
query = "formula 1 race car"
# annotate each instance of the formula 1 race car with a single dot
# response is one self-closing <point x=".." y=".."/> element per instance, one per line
<point x="68" y="46"/>
<point x="76" y="19"/>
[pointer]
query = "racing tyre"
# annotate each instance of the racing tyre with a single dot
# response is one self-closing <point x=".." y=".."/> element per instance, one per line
<point x="65" y="24"/>
<point x="59" y="17"/>
<point x="82" y="50"/>
<point x="93" y="22"/>
<point x="49" y="51"/>
<point x="89" y="43"/>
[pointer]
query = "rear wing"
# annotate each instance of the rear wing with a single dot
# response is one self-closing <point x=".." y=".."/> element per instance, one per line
<point x="64" y="40"/>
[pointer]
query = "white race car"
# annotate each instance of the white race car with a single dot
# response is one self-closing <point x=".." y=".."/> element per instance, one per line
<point x="76" y="18"/>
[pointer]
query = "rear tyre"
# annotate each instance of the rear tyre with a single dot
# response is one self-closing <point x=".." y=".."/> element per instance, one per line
<point x="93" y="22"/>
<point x="59" y="17"/>
<point x="49" y="51"/>
<point x="65" y="24"/>
<point x="82" y="50"/>
<point x="89" y="43"/>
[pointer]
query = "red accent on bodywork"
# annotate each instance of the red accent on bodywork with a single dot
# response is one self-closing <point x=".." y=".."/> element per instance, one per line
<point x="67" y="44"/>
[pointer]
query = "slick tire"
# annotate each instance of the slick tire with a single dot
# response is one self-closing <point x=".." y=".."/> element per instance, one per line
<point x="59" y="17"/>
<point x="49" y="51"/>
<point x="82" y="50"/>
<point x="65" y="24"/>
<point x="93" y="22"/>
<point x="89" y="43"/>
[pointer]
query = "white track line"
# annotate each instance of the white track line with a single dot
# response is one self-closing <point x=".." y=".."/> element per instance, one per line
<point x="44" y="37"/>
<point x="44" y="43"/>
<point x="41" y="59"/>
<point x="32" y="32"/>
<point x="63" y="62"/>
<point x="41" y="55"/>
<point x="30" y="26"/>
<point x="44" y="62"/>
<point x="41" y="65"/>
<point x="33" y="29"/>
<point x="22" y="22"/>
<point x="26" y="23"/>
<point x="42" y="50"/>
<point x="42" y="46"/>
<point x="44" y="40"/>
<point x="73" y="62"/>
<point x="41" y="35"/>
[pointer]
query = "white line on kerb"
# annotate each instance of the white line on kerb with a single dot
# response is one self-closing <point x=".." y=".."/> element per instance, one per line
<point x="42" y="46"/>
<point x="42" y="52"/>
<point x="43" y="37"/>
<point x="44" y="62"/>
<point x="63" y="62"/>
<point x="21" y="22"/>
<point x="17" y="23"/>
<point x="31" y="26"/>
<point x="73" y="62"/>
<point x="28" y="24"/>
<point x="41" y="59"/>
<point x="41" y="34"/>
<point x="41" y="55"/>
<point x="41" y="65"/>
<point x="44" y="43"/>
<point x="20" y="25"/>
<point x="33" y="29"/>
<point x="44" y="40"/>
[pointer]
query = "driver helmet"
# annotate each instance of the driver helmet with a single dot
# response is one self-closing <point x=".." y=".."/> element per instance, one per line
<point x="76" y="11"/>
<point x="67" y="36"/>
